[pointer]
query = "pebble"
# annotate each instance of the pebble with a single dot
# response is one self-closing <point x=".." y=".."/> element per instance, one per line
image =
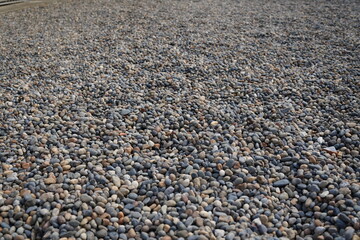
<point x="204" y="214"/>
<point x="182" y="234"/>
<point x="101" y="233"/>
<point x="99" y="210"/>
<point x="284" y="196"/>
<point x="319" y="230"/>
<point x="132" y="233"/>
<point x="281" y="183"/>
<point x="171" y="203"/>
<point x="349" y="233"/>
<point x="85" y="198"/>
<point x="116" y="181"/>
<point x="44" y="212"/>
<point x="219" y="233"/>
<point x="344" y="218"/>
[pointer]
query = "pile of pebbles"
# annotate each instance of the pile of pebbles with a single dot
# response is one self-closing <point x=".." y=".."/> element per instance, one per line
<point x="124" y="119"/>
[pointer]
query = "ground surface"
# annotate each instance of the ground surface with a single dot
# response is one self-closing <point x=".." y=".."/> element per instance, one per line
<point x="23" y="5"/>
<point x="180" y="120"/>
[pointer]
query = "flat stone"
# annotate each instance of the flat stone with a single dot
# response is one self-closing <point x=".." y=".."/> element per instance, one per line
<point x="281" y="183"/>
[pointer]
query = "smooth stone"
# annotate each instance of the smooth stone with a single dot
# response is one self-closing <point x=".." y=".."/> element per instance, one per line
<point x="131" y="233"/>
<point x="284" y="196"/>
<point x="101" y="233"/>
<point x="182" y="233"/>
<point x="74" y="223"/>
<point x="44" y="212"/>
<point x="344" y="218"/>
<point x="319" y="230"/>
<point x="349" y="233"/>
<point x="262" y="229"/>
<point x="85" y="198"/>
<point x="99" y="210"/>
<point x="116" y="180"/>
<point x="204" y="214"/>
<point x="314" y="188"/>
<point x="219" y="233"/>
<point x="281" y="183"/>
<point x="171" y="203"/>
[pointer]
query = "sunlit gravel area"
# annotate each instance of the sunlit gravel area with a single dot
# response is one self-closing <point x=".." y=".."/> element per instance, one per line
<point x="208" y="119"/>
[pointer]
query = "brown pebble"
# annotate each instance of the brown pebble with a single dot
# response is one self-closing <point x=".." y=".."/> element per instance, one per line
<point x="166" y="228"/>
<point x="356" y="237"/>
<point x="25" y="165"/>
<point x="51" y="179"/>
<point x="106" y="222"/>
<point x="131" y="233"/>
<point x="166" y="238"/>
<point x="318" y="223"/>
<point x="251" y="179"/>
<point x="126" y="219"/>
<point x="199" y="221"/>
<point x="312" y="159"/>
<point x="19" y="237"/>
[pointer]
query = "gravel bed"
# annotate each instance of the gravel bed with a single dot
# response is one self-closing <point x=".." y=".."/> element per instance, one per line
<point x="203" y="119"/>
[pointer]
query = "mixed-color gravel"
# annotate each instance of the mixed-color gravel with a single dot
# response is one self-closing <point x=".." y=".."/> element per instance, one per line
<point x="218" y="119"/>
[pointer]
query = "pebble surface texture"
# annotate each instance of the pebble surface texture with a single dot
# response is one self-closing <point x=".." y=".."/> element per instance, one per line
<point x="203" y="119"/>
